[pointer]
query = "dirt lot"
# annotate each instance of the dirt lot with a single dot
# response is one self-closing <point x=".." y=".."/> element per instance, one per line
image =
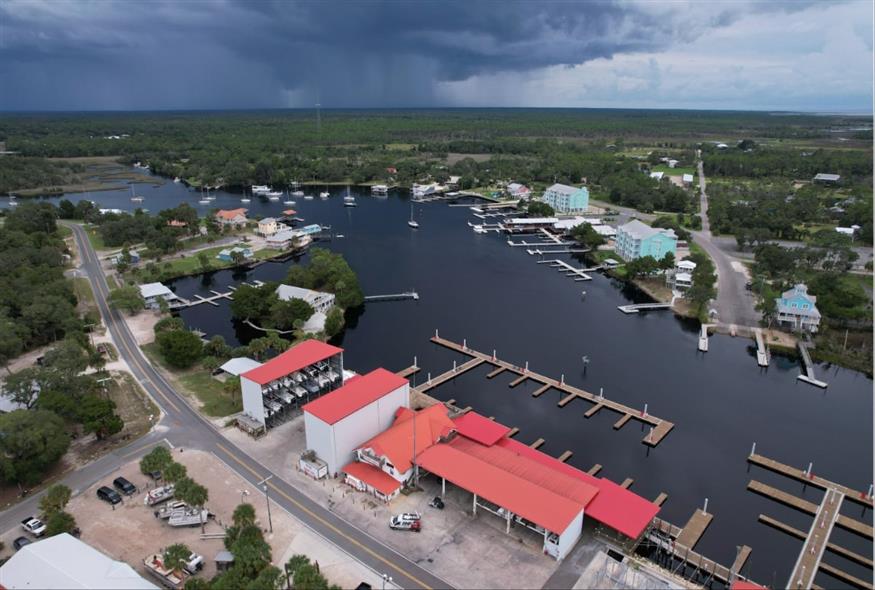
<point x="465" y="550"/>
<point x="131" y="532"/>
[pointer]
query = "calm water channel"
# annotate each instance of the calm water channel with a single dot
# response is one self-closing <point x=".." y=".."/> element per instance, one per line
<point x="477" y="287"/>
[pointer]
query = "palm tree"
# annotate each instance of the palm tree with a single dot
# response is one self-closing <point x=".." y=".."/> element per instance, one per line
<point x="193" y="494"/>
<point x="176" y="556"/>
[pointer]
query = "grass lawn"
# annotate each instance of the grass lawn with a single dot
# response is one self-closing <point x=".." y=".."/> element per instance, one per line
<point x="64" y="231"/>
<point x="84" y="294"/>
<point x="677" y="171"/>
<point x="95" y="238"/>
<point x="266" y="253"/>
<point x="198" y="382"/>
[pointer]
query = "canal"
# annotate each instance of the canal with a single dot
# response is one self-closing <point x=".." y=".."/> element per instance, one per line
<point x="477" y="287"/>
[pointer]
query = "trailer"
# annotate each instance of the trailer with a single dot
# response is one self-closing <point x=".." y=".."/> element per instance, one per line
<point x="189" y="517"/>
<point x="158" y="495"/>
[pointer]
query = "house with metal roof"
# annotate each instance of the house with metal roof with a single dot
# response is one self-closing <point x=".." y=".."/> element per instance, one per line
<point x="154" y="293"/>
<point x="63" y="561"/>
<point x="267" y="226"/>
<point x="636" y="239"/>
<point x="318" y="300"/>
<point x="566" y="199"/>
<point x="797" y="309"/>
<point x="827" y="178"/>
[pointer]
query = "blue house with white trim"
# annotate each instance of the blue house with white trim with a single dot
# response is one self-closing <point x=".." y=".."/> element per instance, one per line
<point x="636" y="240"/>
<point x="566" y="199"/>
<point x="798" y="310"/>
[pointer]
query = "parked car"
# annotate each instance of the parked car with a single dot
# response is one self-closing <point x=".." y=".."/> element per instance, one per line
<point x="21" y="542"/>
<point x="124" y="486"/>
<point x="408" y="521"/>
<point x="34" y="526"/>
<point x="107" y="494"/>
<point x="194" y="564"/>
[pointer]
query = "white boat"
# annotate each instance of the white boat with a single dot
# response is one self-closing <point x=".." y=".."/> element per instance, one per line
<point x="380" y="189"/>
<point x="308" y="197"/>
<point x="245" y="199"/>
<point x="348" y="200"/>
<point x="324" y="195"/>
<point x="258" y="189"/>
<point x="288" y="202"/>
<point x="478" y="229"/>
<point x="134" y="197"/>
<point x="298" y="194"/>
<point x="350" y="204"/>
<point x="177" y="180"/>
<point x="273" y="195"/>
<point x="412" y="222"/>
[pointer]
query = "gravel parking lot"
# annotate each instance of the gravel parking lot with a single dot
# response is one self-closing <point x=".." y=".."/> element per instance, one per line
<point x="130" y="532"/>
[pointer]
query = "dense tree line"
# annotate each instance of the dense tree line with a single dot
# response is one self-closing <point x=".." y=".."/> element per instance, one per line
<point x="331" y="273"/>
<point x="22" y="172"/>
<point x="852" y="165"/>
<point x="37" y="304"/>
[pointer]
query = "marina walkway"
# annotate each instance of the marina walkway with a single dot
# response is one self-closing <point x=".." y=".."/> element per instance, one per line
<point x="808" y="376"/>
<point x="580" y="273"/>
<point x="637" y="307"/>
<point x="827" y="516"/>
<point x="659" y="427"/>
<point x="394" y="296"/>
<point x="762" y="351"/>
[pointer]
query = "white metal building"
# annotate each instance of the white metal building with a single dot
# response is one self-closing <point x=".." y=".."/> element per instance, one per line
<point x="286" y="381"/>
<point x="318" y="300"/>
<point x="153" y="293"/>
<point x="64" y="561"/>
<point x="336" y="424"/>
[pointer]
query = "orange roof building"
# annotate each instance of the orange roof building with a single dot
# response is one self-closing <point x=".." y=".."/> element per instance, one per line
<point x="231" y="216"/>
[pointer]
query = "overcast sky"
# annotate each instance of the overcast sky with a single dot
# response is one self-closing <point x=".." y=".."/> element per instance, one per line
<point x="214" y="54"/>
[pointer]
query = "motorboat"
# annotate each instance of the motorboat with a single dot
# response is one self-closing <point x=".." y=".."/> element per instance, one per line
<point x="308" y="197"/>
<point x="298" y="194"/>
<point x="324" y="195"/>
<point x="258" y="189"/>
<point x="380" y="189"/>
<point x="273" y="195"/>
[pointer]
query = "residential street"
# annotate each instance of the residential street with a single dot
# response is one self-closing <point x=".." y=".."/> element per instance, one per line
<point x="734" y="303"/>
<point x="183" y="428"/>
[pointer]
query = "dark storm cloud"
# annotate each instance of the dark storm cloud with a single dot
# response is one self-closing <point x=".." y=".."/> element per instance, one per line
<point x="235" y="53"/>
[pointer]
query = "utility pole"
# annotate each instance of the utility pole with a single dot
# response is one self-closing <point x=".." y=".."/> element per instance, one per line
<point x="263" y="484"/>
<point x="318" y="118"/>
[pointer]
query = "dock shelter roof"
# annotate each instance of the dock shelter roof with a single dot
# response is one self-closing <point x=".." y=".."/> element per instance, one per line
<point x="479" y="428"/>
<point x="507" y="490"/>
<point x="294" y="359"/>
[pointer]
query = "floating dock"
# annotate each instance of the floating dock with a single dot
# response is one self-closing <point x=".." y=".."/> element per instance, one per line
<point x="393" y="296"/>
<point x="181" y="303"/>
<point x="762" y="351"/>
<point x="808" y="375"/>
<point x="827" y="516"/>
<point x="659" y="427"/>
<point x="579" y="273"/>
<point x="703" y="338"/>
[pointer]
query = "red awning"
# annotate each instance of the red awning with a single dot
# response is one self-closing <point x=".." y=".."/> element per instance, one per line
<point x="370" y="475"/>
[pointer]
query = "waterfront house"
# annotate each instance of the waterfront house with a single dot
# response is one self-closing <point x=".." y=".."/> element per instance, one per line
<point x="133" y="255"/>
<point x="566" y="199"/>
<point x="827" y="178"/>
<point x="319" y="301"/>
<point x="231" y="217"/>
<point x="227" y="255"/>
<point x="267" y="226"/>
<point x="311" y="230"/>
<point x="635" y="240"/>
<point x="154" y="293"/>
<point x="519" y="191"/>
<point x="797" y="309"/>
<point x="681" y="276"/>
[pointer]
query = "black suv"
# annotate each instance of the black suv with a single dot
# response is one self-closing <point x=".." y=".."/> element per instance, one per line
<point x="124" y="486"/>
<point x="21" y="542"/>
<point x="108" y="494"/>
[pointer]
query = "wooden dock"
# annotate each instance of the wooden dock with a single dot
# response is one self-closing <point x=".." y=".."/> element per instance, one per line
<point x="627" y="483"/>
<point x="660" y="499"/>
<point x="694" y="529"/>
<point x="664" y="535"/>
<point x="540" y="390"/>
<point x="638" y="307"/>
<point x="565" y="456"/>
<point x="181" y="303"/>
<point x="660" y="427"/>
<point x="495" y="373"/>
<point x="568" y="270"/>
<point x="594" y="469"/>
<point x="810" y="557"/>
<point x="518" y="380"/>
<point x="537" y="444"/>
<point x="762" y="351"/>
<point x="851" y="494"/>
<point x="808" y="375"/>
<point x="451" y="374"/>
<point x="408" y="371"/>
<point x="802" y="535"/>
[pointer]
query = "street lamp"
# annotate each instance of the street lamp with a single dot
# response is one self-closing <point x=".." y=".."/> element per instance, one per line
<point x="243" y="493"/>
<point x="263" y="484"/>
<point x="386" y="578"/>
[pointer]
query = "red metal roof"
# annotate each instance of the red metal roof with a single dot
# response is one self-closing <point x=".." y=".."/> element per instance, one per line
<point x="354" y="395"/>
<point x="396" y="442"/>
<point x="476" y="427"/>
<point x="377" y="479"/>
<point x="617" y="507"/>
<point x="527" y="468"/>
<point x="745" y="585"/>
<point x="297" y="357"/>
<point x="533" y="502"/>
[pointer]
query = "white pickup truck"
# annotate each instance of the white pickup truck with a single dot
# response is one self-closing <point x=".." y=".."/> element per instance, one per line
<point x="34" y="526"/>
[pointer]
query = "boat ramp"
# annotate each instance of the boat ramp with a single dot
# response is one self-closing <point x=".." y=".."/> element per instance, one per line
<point x="808" y="366"/>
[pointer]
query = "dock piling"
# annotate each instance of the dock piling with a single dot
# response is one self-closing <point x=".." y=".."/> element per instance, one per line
<point x="454" y="366"/>
<point x="753" y="449"/>
<point x="705" y="508"/>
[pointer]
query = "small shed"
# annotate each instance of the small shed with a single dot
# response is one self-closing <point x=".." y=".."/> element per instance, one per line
<point x="224" y="561"/>
<point x="237" y="366"/>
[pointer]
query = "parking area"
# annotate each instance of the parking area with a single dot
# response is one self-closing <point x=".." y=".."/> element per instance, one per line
<point x="129" y="532"/>
<point x="465" y="550"/>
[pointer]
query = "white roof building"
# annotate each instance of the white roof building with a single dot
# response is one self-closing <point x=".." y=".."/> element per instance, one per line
<point x="571" y="222"/>
<point x="318" y="300"/>
<point x="822" y="177"/>
<point x="65" y="562"/>
<point x="686" y="265"/>
<point x="657" y="175"/>
<point x="238" y="365"/>
<point x="155" y="290"/>
<point x="687" y="179"/>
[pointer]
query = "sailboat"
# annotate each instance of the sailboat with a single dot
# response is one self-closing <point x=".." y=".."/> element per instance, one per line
<point x="134" y="197"/>
<point x="412" y="222"/>
<point x="288" y="200"/>
<point x="205" y="200"/>
<point x="245" y="199"/>
<point x="348" y="200"/>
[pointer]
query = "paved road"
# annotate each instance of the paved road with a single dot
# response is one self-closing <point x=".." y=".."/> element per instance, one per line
<point x="734" y="303"/>
<point x="183" y="427"/>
